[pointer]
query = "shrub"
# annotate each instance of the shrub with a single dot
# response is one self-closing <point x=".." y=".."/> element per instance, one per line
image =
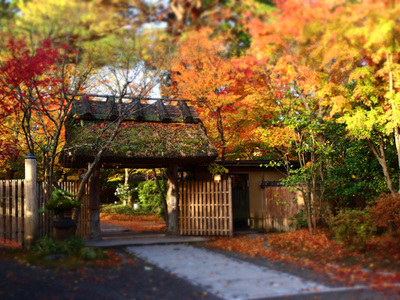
<point x="89" y="253"/>
<point x="150" y="198"/>
<point x="385" y="212"/>
<point x="47" y="245"/>
<point x="124" y="192"/>
<point x="119" y="209"/>
<point x="299" y="220"/>
<point x="73" y="246"/>
<point x="352" y="228"/>
<point x="62" y="199"/>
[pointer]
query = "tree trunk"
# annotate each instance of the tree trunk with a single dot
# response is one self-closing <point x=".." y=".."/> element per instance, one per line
<point x="397" y="140"/>
<point x="380" y="155"/>
<point x="126" y="182"/>
<point x="307" y="203"/>
<point x="307" y="195"/>
<point x="10" y="174"/>
<point x="172" y="198"/>
<point x="396" y="130"/>
<point x="221" y="133"/>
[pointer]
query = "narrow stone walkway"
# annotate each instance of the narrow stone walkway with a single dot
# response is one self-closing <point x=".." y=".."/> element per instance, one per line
<point x="229" y="278"/>
<point x="120" y="236"/>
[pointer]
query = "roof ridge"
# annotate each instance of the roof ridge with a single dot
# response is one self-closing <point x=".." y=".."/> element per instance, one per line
<point x="134" y="110"/>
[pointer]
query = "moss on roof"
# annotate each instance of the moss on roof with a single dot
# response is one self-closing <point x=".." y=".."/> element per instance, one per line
<point x="142" y="139"/>
<point x="158" y="133"/>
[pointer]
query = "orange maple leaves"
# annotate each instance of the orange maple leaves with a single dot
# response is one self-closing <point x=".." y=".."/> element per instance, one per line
<point x="151" y="223"/>
<point x="203" y="71"/>
<point x="323" y="255"/>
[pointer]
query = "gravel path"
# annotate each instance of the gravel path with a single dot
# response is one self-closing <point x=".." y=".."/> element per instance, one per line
<point x="230" y="278"/>
<point x="134" y="280"/>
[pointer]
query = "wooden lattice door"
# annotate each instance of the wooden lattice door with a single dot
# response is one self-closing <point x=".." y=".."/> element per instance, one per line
<point x="205" y="208"/>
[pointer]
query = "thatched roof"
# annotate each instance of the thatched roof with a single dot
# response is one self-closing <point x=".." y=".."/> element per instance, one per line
<point x="152" y="134"/>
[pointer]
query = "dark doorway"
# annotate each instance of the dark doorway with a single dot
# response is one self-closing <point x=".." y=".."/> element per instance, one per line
<point x="240" y="201"/>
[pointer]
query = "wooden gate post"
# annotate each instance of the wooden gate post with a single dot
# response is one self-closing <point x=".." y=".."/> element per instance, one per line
<point x="31" y="215"/>
<point x="172" y="200"/>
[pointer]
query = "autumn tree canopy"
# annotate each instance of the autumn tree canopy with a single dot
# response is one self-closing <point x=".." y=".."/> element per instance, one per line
<point x="308" y="68"/>
<point x="48" y="60"/>
<point x="309" y="84"/>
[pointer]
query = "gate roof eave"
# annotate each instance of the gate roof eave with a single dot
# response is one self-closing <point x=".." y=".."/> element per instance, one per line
<point x="143" y="163"/>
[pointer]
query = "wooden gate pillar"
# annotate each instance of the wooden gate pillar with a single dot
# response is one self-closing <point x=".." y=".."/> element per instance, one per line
<point x="95" y="190"/>
<point x="31" y="215"/>
<point x="172" y="200"/>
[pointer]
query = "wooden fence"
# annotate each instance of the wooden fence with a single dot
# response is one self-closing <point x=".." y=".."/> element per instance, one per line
<point x="84" y="219"/>
<point x="205" y="208"/>
<point x="12" y="210"/>
<point x="281" y="205"/>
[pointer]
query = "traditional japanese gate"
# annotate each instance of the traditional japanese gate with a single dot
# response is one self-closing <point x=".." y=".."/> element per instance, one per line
<point x="164" y="133"/>
<point x="205" y="208"/>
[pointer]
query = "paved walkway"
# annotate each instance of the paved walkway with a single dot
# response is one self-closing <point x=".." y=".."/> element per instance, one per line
<point x="229" y="278"/>
<point x="221" y="276"/>
<point x="119" y="236"/>
<point x="140" y="240"/>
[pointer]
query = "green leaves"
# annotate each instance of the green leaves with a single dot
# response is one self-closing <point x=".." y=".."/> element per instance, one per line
<point x="215" y="168"/>
<point x="62" y="199"/>
<point x="361" y="123"/>
<point x="150" y="197"/>
<point x="353" y="228"/>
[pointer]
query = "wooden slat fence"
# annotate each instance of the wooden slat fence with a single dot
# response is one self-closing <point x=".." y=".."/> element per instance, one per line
<point x="12" y="204"/>
<point x="45" y="219"/>
<point x="84" y="221"/>
<point x="205" y="208"/>
<point x="280" y="208"/>
<point x="12" y="211"/>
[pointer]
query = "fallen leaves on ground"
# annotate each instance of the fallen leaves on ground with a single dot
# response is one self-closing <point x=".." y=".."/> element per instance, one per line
<point x="14" y="251"/>
<point x="9" y="244"/>
<point x="379" y="254"/>
<point x="114" y="259"/>
<point x="143" y="223"/>
<point x="324" y="256"/>
<point x="111" y="259"/>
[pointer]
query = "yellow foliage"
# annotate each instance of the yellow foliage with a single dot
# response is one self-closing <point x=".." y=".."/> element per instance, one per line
<point x="276" y="136"/>
<point x="63" y="20"/>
